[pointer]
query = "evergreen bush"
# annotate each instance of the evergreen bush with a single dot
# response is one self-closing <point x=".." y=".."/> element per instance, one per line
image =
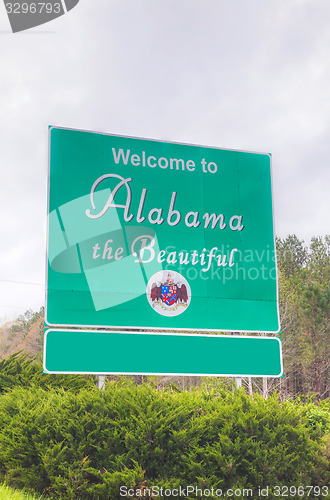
<point x="318" y="415"/>
<point x="17" y="370"/>
<point x="7" y="493"/>
<point x="86" y="445"/>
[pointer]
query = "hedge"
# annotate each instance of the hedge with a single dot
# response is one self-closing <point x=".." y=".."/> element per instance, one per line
<point x="7" y="493"/>
<point x="17" y="370"/>
<point x="86" y="445"/>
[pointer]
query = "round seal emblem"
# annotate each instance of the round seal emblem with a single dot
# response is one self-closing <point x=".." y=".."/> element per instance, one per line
<point x="168" y="293"/>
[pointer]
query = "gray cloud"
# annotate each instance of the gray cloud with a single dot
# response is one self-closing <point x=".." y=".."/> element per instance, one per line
<point x="246" y="75"/>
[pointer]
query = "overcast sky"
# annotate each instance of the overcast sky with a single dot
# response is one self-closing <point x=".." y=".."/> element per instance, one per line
<point x="250" y="75"/>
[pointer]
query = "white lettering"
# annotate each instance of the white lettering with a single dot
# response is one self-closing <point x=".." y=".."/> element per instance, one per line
<point x="194" y="259"/>
<point x="139" y="217"/>
<point x="208" y="217"/>
<point x="154" y="164"/>
<point x="123" y="491"/>
<point x="171" y="258"/>
<point x="177" y="162"/>
<point x="96" y="248"/>
<point x="223" y="263"/>
<point x="135" y="160"/>
<point x="212" y="169"/>
<point x="239" y="226"/>
<point x="108" y="250"/>
<point x="165" y="161"/>
<point x="159" y="219"/>
<point x="120" y="155"/>
<point x="202" y="256"/>
<point x="155" y="215"/>
<point x="160" y="256"/>
<point x="109" y="203"/>
<point x="211" y="254"/>
<point x="172" y="212"/>
<point x="184" y="260"/>
<point x="190" y="165"/>
<point x="195" y="222"/>
<point x="144" y="247"/>
<point x="118" y="253"/>
<point x="231" y="263"/>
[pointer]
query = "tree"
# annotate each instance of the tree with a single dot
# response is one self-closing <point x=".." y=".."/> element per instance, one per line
<point x="314" y="293"/>
<point x="304" y="308"/>
<point x="292" y="254"/>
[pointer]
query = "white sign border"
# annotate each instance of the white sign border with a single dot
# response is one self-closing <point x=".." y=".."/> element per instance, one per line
<point x="162" y="373"/>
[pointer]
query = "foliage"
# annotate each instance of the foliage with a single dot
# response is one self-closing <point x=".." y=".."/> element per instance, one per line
<point x="305" y="313"/>
<point x="304" y="303"/>
<point x="19" y="371"/>
<point x="7" y="493"/>
<point x="87" y="445"/>
<point x="292" y="254"/>
<point x="318" y="416"/>
<point x="26" y="320"/>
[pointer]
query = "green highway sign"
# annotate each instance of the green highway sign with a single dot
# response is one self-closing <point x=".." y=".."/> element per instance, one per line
<point x="146" y="234"/>
<point x="78" y="351"/>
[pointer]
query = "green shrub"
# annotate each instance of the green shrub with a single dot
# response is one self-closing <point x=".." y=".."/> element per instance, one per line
<point x="87" y="445"/>
<point x="317" y="415"/>
<point x="19" y="371"/>
<point x="7" y="493"/>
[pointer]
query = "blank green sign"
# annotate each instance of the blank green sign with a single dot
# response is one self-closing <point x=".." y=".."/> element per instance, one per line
<point x="70" y="351"/>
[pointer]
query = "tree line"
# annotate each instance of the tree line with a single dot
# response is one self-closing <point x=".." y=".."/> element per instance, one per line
<point x="304" y="298"/>
<point x="304" y="293"/>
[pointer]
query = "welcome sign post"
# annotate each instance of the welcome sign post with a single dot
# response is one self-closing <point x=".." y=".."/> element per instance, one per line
<point x="150" y="235"/>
